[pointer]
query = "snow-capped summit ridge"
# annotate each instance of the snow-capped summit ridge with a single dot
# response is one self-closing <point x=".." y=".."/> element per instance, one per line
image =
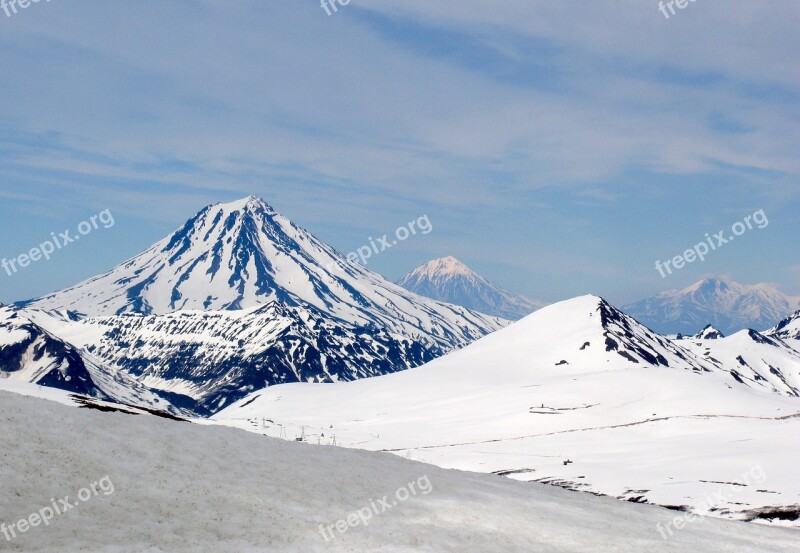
<point x="443" y="268"/>
<point x="583" y="334"/>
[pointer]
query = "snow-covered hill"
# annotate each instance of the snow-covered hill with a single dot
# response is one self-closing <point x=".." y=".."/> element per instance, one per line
<point x="449" y="280"/>
<point x="727" y="305"/>
<point x="577" y="394"/>
<point x="240" y="298"/>
<point x="158" y="488"/>
<point x="754" y="358"/>
<point x="31" y="354"/>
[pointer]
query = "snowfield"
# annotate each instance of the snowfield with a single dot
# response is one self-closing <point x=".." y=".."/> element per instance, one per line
<point x="576" y="394"/>
<point x="187" y="487"/>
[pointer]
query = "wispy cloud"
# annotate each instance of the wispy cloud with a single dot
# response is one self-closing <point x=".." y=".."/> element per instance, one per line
<point x="528" y="112"/>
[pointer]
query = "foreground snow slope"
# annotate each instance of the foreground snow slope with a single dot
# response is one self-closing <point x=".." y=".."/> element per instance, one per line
<point x="183" y="487"/>
<point x="638" y="416"/>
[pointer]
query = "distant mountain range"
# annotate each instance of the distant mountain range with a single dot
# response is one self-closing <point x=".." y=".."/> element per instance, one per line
<point x="239" y="298"/>
<point x="723" y="303"/>
<point x="720" y="303"/>
<point x="448" y="280"/>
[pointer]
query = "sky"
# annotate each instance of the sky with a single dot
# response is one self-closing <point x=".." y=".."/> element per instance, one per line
<point x="558" y="148"/>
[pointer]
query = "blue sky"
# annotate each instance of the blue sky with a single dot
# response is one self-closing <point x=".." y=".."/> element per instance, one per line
<point x="559" y="148"/>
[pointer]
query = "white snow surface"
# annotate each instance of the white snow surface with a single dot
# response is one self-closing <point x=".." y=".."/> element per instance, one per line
<point x="632" y="414"/>
<point x="180" y="487"/>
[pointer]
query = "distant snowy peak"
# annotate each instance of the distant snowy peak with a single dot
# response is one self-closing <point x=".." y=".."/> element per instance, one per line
<point x="788" y="328"/>
<point x="725" y="304"/>
<point x="442" y="269"/>
<point x="448" y="280"/>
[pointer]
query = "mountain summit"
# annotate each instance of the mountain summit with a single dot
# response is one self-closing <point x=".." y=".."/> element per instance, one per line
<point x="447" y="279"/>
<point x="228" y="256"/>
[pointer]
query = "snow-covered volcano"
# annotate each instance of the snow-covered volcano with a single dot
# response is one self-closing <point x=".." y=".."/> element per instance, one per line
<point x="243" y="254"/>
<point x="577" y="394"/>
<point x="728" y="305"/>
<point x="240" y="298"/>
<point x="449" y="280"/>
